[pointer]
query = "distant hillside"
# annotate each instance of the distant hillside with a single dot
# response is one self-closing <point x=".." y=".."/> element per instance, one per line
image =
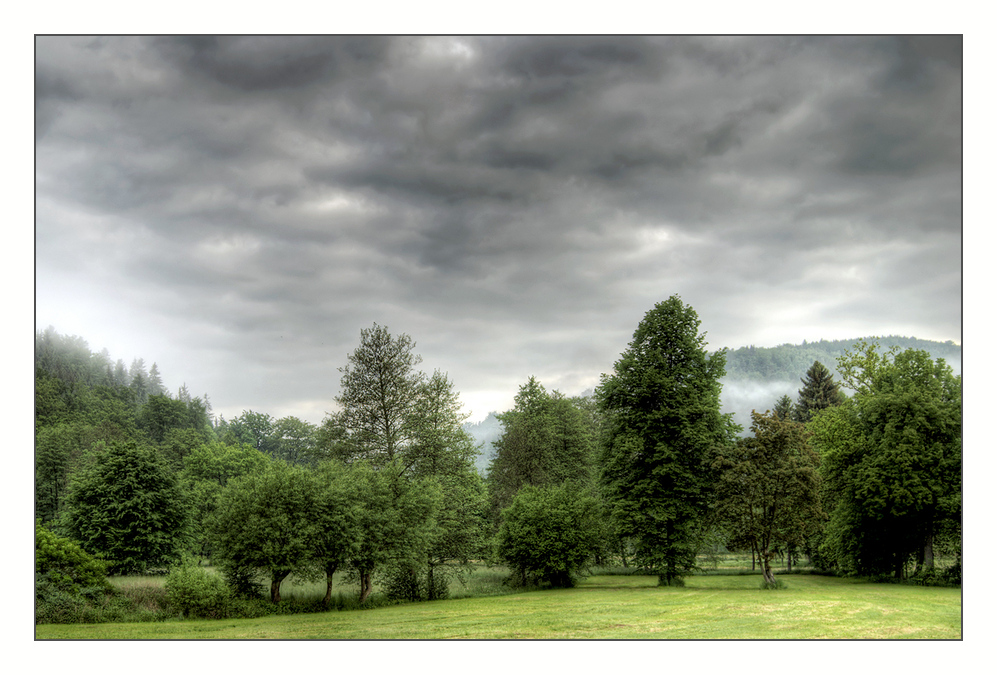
<point x="789" y="362"/>
<point x="758" y="376"/>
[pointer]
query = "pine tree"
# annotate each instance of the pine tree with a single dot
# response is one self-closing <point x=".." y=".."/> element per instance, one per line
<point x="819" y="392"/>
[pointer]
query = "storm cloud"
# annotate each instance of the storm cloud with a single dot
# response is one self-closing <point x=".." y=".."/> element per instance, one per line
<point x="237" y="209"/>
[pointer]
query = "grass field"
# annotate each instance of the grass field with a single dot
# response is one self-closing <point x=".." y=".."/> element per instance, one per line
<point x="605" y="607"/>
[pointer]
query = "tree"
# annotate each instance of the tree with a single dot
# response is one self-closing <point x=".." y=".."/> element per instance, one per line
<point x="819" y="392"/>
<point x="294" y="440"/>
<point x="378" y="391"/>
<point x="255" y="429"/>
<point x="663" y="407"/>
<point x="264" y="523"/>
<point x="128" y="507"/>
<point x="545" y="441"/>
<point x="444" y="452"/>
<point x="784" y="408"/>
<point x="336" y="519"/>
<point x="549" y="533"/>
<point x="396" y="520"/>
<point x="207" y="469"/>
<point x="768" y="492"/>
<point x="891" y="458"/>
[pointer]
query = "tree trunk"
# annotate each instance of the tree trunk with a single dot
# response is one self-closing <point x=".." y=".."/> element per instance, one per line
<point x="365" y="584"/>
<point x="330" y="570"/>
<point x="275" y="579"/>
<point x="929" y="549"/>
<point x="765" y="558"/>
<point x="430" y="586"/>
<point x="789" y="558"/>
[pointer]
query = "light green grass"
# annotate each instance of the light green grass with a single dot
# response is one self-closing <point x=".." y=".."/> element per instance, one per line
<point x="606" y="607"/>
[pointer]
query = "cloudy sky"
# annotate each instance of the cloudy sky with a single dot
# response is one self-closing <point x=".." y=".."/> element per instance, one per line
<point x="238" y="209"/>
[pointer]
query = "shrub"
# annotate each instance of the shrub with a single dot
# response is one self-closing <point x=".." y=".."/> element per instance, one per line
<point x="548" y="534"/>
<point x="63" y="563"/>
<point x="197" y="593"/>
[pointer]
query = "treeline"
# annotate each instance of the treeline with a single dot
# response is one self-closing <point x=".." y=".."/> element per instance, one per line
<point x="787" y="361"/>
<point x="648" y="473"/>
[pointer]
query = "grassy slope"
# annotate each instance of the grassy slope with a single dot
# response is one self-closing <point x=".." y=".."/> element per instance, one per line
<point x="725" y="607"/>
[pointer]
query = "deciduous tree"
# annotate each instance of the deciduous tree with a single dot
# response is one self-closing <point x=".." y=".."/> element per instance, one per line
<point x="663" y="407"/>
<point x="892" y="457"/>
<point x="768" y="492"/>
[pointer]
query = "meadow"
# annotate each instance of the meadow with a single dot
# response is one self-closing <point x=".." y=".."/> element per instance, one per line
<point x="712" y="606"/>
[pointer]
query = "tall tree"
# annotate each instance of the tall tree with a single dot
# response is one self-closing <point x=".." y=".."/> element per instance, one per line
<point x="378" y="391"/>
<point x="768" y="492"/>
<point x="442" y="451"/>
<point x="892" y="459"/>
<point x="663" y="406"/>
<point x="819" y="391"/>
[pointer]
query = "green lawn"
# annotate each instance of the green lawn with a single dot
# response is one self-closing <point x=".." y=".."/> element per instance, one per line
<point x="606" y="607"/>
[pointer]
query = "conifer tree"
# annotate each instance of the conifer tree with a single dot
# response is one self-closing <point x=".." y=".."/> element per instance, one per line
<point x="819" y="392"/>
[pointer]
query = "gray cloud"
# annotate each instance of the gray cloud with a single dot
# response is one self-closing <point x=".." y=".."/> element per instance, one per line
<point x="238" y="208"/>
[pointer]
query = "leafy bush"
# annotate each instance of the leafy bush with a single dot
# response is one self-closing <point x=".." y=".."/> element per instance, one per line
<point x="63" y="563"/>
<point x="197" y="593"/>
<point x="548" y="534"/>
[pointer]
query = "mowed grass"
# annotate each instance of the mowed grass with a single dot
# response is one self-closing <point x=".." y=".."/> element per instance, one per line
<point x="605" y="607"/>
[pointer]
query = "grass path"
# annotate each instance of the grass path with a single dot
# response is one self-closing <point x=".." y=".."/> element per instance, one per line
<point x="610" y="607"/>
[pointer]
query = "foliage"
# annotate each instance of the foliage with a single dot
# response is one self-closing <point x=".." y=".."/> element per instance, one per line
<point x="786" y="362"/>
<point x="263" y="524"/>
<point x="549" y="533"/>
<point x="378" y="391"/>
<point x="195" y="592"/>
<point x="128" y="507"/>
<point x="891" y="459"/>
<point x="335" y="521"/>
<point x="663" y="408"/>
<point x="768" y="492"/>
<point x="67" y="565"/>
<point x="546" y="440"/>
<point x="396" y="520"/>
<point x="819" y="392"/>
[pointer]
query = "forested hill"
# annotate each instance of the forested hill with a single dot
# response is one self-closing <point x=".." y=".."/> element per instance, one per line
<point x="758" y="376"/>
<point x="790" y="362"/>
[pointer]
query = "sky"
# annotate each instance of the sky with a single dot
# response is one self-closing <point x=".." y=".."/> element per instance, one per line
<point x="238" y="209"/>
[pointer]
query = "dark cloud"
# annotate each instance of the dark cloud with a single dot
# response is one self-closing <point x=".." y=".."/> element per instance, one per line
<point x="246" y="205"/>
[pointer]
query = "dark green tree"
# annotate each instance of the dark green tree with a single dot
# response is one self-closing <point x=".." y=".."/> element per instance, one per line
<point x="663" y="407"/>
<point x="819" y="391"/>
<point x="769" y="489"/>
<point x="784" y="408"/>
<point x="128" y="507"/>
<point x="549" y="533"/>
<point x="892" y="459"/>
